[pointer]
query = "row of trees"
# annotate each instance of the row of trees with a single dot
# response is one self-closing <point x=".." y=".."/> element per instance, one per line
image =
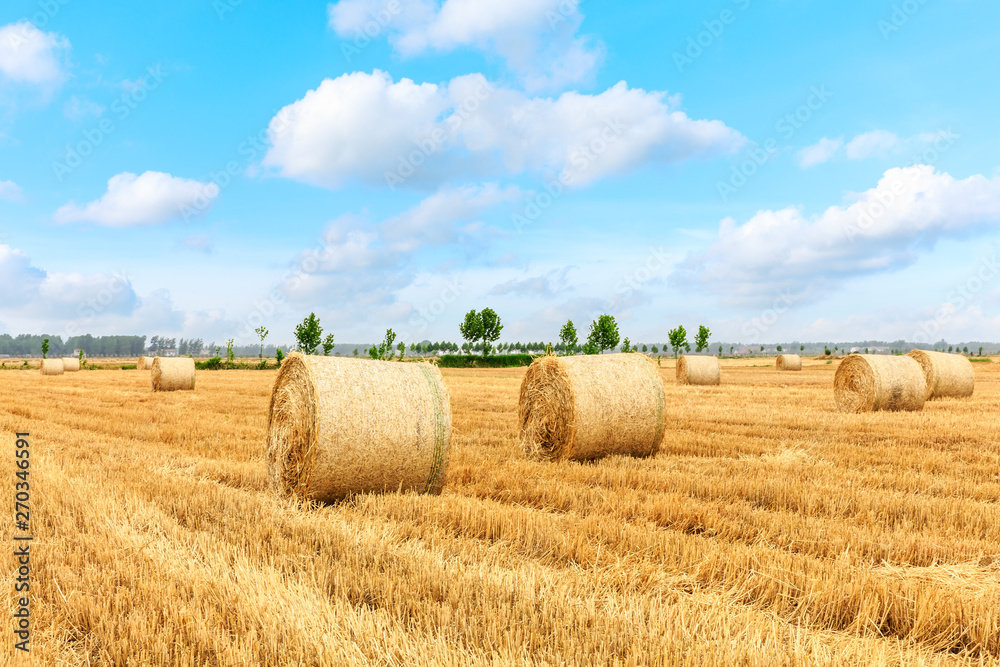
<point x="92" y="346"/>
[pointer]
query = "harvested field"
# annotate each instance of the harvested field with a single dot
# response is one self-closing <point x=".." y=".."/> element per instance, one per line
<point x="770" y="529"/>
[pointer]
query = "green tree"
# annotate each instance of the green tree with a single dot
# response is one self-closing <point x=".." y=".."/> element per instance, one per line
<point x="778" y="348"/>
<point x="568" y="336"/>
<point x="384" y="350"/>
<point x="279" y="355"/>
<point x="980" y="350"/>
<point x="644" y="348"/>
<point x="802" y="348"/>
<point x="402" y="349"/>
<point x="654" y="350"/>
<point x="591" y="348"/>
<point x="491" y="329"/>
<point x="678" y="338"/>
<point x="627" y="345"/>
<point x="230" y="352"/>
<point x="603" y="333"/>
<point x="472" y="328"/>
<point x="355" y="352"/>
<point x="965" y="349"/>
<point x="720" y="349"/>
<point x="328" y="345"/>
<point x="701" y="338"/>
<point x="262" y="334"/>
<point x="45" y="349"/>
<point x="309" y="335"/>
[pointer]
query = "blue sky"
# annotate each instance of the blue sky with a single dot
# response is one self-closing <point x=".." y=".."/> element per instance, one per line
<point x="777" y="170"/>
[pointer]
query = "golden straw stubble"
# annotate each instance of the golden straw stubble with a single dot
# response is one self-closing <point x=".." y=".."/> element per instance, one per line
<point x="947" y="375"/>
<point x="339" y="426"/>
<point x="698" y="369"/>
<point x="173" y="374"/>
<point x="868" y="382"/>
<point x="590" y="406"/>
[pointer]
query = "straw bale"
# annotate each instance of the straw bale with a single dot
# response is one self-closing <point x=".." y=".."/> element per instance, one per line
<point x="342" y="426"/>
<point x="590" y="406"/>
<point x="71" y="364"/>
<point x="867" y="382"/>
<point x="53" y="367"/>
<point x="173" y="374"/>
<point x="947" y="375"/>
<point x="788" y="362"/>
<point x="698" y="369"/>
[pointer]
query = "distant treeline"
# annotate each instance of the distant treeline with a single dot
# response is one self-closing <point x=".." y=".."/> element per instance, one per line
<point x="27" y="345"/>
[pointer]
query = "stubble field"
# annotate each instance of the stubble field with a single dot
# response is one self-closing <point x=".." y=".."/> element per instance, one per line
<point x="769" y="530"/>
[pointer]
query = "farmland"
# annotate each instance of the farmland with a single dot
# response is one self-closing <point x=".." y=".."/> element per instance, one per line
<point x="769" y="530"/>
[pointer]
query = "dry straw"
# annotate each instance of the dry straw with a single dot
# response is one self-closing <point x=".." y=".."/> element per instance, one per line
<point x="53" y="367"/>
<point x="343" y="426"/>
<point x="591" y="406"/>
<point x="141" y="364"/>
<point x="698" y="369"/>
<point x="867" y="382"/>
<point x="71" y="364"/>
<point x="788" y="362"/>
<point x="173" y="374"/>
<point x="947" y="375"/>
<point x="145" y="363"/>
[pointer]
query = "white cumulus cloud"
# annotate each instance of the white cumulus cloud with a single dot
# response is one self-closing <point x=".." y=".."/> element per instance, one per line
<point x="820" y="152"/>
<point x="537" y="38"/>
<point x="784" y="252"/>
<point x="876" y="143"/>
<point x="11" y="191"/>
<point x="28" y="55"/>
<point x="368" y="128"/>
<point x="148" y="199"/>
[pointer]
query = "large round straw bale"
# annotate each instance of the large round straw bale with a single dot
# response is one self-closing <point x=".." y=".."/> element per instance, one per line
<point x="948" y="375"/>
<point x="867" y="382"/>
<point x="173" y="374"/>
<point x="141" y="364"/>
<point x="788" y="362"/>
<point x="698" y="369"/>
<point x="53" y="367"/>
<point x="343" y="426"/>
<point x="145" y="363"/>
<point x="586" y="407"/>
<point x="71" y="364"/>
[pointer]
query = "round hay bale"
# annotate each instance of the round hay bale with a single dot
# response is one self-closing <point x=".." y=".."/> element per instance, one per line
<point x="698" y="369"/>
<point x="788" y="362"/>
<point x="340" y="426"/>
<point x="146" y="363"/>
<point x="141" y="364"/>
<point x="173" y="374"/>
<point x="867" y="382"/>
<point x="53" y="367"/>
<point x="586" y="407"/>
<point x="71" y="364"/>
<point x="947" y="375"/>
